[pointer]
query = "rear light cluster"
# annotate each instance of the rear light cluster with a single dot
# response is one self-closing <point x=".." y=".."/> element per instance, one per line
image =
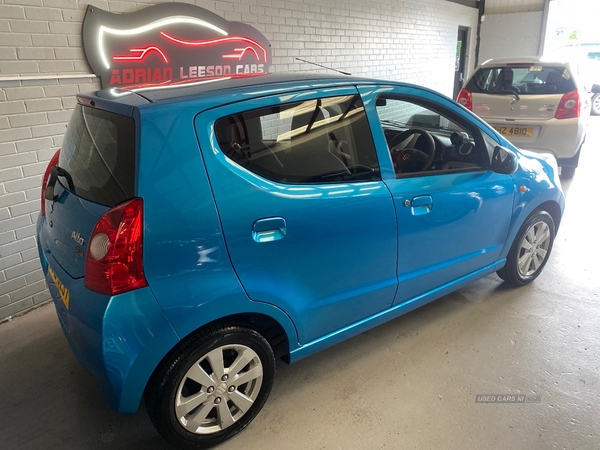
<point x="53" y="162"/>
<point x="466" y="99"/>
<point x="569" y="106"/>
<point x="114" y="258"/>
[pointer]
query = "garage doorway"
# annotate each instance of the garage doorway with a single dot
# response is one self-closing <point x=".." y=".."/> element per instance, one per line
<point x="571" y="23"/>
<point x="459" y="65"/>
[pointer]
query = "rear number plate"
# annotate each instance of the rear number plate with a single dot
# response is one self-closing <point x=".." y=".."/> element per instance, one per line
<point x="515" y="131"/>
<point x="62" y="289"/>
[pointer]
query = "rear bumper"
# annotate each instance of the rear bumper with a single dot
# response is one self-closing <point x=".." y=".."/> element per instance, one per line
<point x="120" y="340"/>
<point x="562" y="138"/>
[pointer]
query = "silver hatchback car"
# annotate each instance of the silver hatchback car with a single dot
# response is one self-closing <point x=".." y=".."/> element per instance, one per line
<point x="538" y="105"/>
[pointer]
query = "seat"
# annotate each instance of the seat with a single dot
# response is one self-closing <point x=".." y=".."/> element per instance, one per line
<point x="341" y="144"/>
<point x="505" y="79"/>
<point x="309" y="158"/>
<point x="553" y="81"/>
<point x="241" y="140"/>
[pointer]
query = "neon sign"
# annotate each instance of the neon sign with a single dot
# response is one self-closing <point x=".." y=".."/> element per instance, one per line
<point x="170" y="43"/>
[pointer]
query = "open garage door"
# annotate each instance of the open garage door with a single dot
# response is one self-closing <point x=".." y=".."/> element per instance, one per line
<point x="572" y="23"/>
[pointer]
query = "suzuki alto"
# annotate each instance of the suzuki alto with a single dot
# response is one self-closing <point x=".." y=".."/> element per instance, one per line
<point x="192" y="234"/>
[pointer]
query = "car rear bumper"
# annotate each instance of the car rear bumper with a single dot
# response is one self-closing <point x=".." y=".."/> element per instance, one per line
<point x="120" y="340"/>
<point x="562" y="138"/>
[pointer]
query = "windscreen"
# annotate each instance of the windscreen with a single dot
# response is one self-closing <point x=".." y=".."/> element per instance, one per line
<point x="529" y="79"/>
<point x="98" y="154"/>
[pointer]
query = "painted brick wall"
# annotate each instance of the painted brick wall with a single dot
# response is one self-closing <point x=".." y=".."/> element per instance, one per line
<point x="511" y="35"/>
<point x="410" y="40"/>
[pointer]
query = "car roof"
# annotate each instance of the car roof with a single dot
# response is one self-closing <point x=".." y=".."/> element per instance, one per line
<point x="524" y="60"/>
<point x="202" y="88"/>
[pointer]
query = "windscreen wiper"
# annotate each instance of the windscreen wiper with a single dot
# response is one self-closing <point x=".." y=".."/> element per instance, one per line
<point x="506" y="92"/>
<point x="393" y="123"/>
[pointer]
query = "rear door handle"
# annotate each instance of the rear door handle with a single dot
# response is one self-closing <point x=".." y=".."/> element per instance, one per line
<point x="269" y="229"/>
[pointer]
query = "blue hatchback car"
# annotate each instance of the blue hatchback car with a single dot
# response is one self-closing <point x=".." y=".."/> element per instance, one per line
<point x="191" y="234"/>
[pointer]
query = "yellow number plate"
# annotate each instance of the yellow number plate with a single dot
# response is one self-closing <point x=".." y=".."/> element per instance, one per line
<point x="514" y="131"/>
<point x="62" y="289"/>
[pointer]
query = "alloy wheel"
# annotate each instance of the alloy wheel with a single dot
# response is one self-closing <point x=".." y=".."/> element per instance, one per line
<point x="534" y="248"/>
<point x="218" y="389"/>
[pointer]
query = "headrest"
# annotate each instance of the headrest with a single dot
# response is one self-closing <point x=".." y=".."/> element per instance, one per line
<point x="554" y="78"/>
<point x="306" y="118"/>
<point x="505" y="77"/>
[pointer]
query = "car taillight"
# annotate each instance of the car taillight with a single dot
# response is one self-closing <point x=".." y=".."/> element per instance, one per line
<point x="569" y="106"/>
<point x="114" y="259"/>
<point x="465" y="98"/>
<point x="51" y="164"/>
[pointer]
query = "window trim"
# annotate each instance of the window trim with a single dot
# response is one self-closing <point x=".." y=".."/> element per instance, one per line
<point x="297" y="100"/>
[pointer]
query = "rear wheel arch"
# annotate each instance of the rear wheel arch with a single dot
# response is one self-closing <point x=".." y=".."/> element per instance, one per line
<point x="268" y="327"/>
<point x="263" y="324"/>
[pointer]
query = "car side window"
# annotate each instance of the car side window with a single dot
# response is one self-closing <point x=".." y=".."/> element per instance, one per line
<point x="423" y="141"/>
<point x="325" y="140"/>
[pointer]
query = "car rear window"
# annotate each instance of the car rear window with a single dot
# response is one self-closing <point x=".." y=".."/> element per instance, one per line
<point x="98" y="154"/>
<point x="531" y="79"/>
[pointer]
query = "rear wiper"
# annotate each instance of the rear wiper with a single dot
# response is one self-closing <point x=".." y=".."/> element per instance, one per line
<point x="506" y="92"/>
<point x="56" y="172"/>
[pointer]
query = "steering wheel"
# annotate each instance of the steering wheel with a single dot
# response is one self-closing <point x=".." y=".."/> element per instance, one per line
<point x="410" y="159"/>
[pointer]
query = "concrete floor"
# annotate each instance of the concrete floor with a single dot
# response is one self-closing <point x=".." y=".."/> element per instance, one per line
<point x="411" y="383"/>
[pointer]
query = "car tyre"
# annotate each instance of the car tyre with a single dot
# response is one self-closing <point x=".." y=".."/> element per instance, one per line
<point x="211" y="386"/>
<point x="596" y="105"/>
<point x="530" y="250"/>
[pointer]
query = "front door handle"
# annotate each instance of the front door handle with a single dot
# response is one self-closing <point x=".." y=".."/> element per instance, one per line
<point x="421" y="205"/>
<point x="269" y="229"/>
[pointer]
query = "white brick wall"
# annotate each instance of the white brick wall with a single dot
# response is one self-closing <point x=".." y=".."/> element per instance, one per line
<point x="511" y="35"/>
<point x="410" y="40"/>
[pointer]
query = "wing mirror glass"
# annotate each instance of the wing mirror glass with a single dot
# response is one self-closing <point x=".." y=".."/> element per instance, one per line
<point x="504" y="161"/>
<point x="596" y="88"/>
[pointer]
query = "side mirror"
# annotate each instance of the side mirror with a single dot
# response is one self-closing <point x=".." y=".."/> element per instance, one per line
<point x="380" y="101"/>
<point x="504" y="161"/>
<point x="596" y="88"/>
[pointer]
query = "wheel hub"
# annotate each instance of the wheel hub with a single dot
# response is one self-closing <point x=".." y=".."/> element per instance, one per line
<point x="221" y="389"/>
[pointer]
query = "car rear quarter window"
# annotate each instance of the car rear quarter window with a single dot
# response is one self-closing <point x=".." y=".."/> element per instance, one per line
<point x="316" y="141"/>
<point x="98" y="154"/>
<point x="528" y="79"/>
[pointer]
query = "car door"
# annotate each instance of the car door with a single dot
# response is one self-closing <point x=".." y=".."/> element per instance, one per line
<point x="309" y="225"/>
<point x="453" y="218"/>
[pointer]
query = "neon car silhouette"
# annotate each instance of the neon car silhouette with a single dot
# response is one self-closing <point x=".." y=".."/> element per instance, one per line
<point x="175" y="35"/>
